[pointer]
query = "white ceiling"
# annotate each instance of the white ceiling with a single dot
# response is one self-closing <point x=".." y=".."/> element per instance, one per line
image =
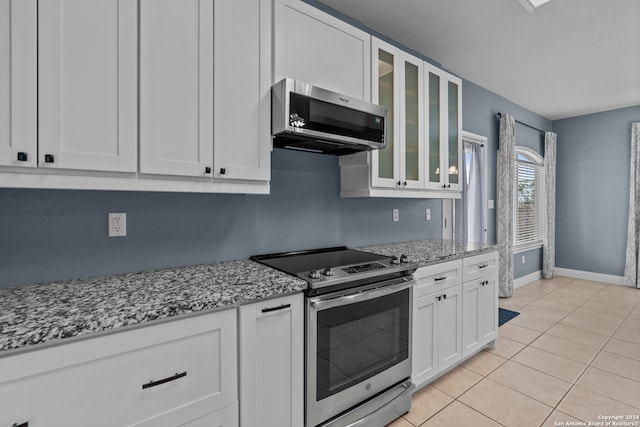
<point x="567" y="58"/>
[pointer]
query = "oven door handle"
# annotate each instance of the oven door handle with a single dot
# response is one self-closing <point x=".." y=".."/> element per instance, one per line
<point x="385" y="288"/>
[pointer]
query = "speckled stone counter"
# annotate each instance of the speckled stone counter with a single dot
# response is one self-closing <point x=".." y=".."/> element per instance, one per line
<point x="42" y="313"/>
<point x="432" y="251"/>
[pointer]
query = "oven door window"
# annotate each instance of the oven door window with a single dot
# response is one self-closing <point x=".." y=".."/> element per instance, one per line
<point x="360" y="340"/>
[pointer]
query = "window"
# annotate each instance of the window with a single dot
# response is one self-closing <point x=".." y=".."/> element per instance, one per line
<point x="529" y="200"/>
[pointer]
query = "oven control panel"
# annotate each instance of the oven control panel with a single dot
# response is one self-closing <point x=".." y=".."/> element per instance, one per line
<point x="333" y="275"/>
<point x="355" y="269"/>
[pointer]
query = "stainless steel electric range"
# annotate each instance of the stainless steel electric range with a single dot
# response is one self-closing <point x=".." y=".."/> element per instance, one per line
<point x="357" y="334"/>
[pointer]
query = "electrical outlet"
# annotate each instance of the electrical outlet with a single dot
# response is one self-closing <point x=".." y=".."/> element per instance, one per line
<point x="396" y="215"/>
<point x="523" y="259"/>
<point x="428" y="214"/>
<point x="117" y="224"/>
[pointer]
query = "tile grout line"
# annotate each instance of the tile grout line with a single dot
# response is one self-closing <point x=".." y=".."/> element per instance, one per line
<point x="574" y="383"/>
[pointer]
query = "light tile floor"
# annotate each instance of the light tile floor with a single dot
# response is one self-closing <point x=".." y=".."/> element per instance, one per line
<point x="572" y="355"/>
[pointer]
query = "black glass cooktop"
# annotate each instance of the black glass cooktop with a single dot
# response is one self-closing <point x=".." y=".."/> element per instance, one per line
<point x="300" y="261"/>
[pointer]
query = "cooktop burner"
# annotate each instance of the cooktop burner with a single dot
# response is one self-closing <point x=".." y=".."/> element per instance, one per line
<point x="337" y="265"/>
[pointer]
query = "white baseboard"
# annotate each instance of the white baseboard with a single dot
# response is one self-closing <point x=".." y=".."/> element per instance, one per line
<point x="588" y="275"/>
<point x="525" y="280"/>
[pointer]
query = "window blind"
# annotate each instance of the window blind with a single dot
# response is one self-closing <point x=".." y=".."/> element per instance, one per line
<point x="528" y="212"/>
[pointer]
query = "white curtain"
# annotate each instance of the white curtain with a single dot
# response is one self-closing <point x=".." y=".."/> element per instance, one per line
<point x="461" y="205"/>
<point x="470" y="212"/>
<point x="631" y="276"/>
<point x="506" y="183"/>
<point x="549" y="248"/>
<point x="475" y="199"/>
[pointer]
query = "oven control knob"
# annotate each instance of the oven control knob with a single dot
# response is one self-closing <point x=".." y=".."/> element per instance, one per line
<point x="314" y="274"/>
<point x="327" y="271"/>
<point x="404" y="259"/>
<point x="395" y="260"/>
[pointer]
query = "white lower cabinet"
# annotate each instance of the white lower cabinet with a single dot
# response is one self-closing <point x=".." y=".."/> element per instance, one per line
<point x="452" y="320"/>
<point x="437" y="324"/>
<point x="181" y="372"/>
<point x="480" y="305"/>
<point x="272" y="363"/>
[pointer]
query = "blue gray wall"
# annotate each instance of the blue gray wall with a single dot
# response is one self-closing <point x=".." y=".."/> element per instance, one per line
<point x="479" y="106"/>
<point x="593" y="190"/>
<point x="49" y="235"/>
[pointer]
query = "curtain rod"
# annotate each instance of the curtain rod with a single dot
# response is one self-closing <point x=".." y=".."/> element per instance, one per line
<point x="499" y="115"/>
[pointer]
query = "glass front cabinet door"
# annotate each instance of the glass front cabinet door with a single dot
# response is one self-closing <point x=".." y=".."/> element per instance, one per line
<point x="443" y="113"/>
<point x="398" y="85"/>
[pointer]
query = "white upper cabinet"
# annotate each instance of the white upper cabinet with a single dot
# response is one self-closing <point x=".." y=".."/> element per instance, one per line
<point x="18" y="83"/>
<point x="242" y="91"/>
<point x="176" y="93"/>
<point x="424" y="122"/>
<point x="87" y="84"/>
<point x="443" y="113"/>
<point x="204" y="88"/>
<point x="319" y="49"/>
<point x="398" y="81"/>
<point x="176" y="87"/>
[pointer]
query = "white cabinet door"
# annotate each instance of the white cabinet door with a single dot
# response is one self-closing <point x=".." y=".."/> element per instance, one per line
<point x="479" y="313"/>
<point x="159" y="375"/>
<point x="449" y="306"/>
<point x="18" y="83"/>
<point x="443" y="115"/>
<point x="471" y="306"/>
<point x="176" y="87"/>
<point x="319" y="49"/>
<point x="87" y="84"/>
<point x="425" y="336"/>
<point x="242" y="88"/>
<point x="272" y="363"/>
<point x="488" y="309"/>
<point x="398" y="85"/>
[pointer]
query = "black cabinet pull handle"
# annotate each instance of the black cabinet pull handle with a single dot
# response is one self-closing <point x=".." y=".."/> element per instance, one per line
<point x="398" y="183"/>
<point x="207" y="169"/>
<point x="404" y="183"/>
<point x="48" y="158"/>
<point x="444" y="296"/>
<point x="437" y="279"/>
<point x="22" y="156"/>
<point x="439" y="298"/>
<point x="280" y="307"/>
<point x="165" y="380"/>
<point x="483" y="266"/>
<point x="223" y="171"/>
<point x="21" y="424"/>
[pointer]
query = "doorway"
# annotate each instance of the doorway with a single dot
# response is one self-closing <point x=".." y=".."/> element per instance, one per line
<point x="470" y="211"/>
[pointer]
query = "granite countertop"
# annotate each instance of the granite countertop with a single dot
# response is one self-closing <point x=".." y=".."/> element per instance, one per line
<point x="44" y="313"/>
<point x="432" y="251"/>
<point x="40" y="313"/>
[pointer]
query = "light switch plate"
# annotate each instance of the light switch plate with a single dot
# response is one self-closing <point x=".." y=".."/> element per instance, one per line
<point x="396" y="215"/>
<point x="490" y="204"/>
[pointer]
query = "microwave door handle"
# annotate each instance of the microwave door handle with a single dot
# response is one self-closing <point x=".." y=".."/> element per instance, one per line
<point x="364" y="295"/>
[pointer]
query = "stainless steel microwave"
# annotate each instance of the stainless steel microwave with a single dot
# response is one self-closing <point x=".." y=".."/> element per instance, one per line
<point x="309" y="118"/>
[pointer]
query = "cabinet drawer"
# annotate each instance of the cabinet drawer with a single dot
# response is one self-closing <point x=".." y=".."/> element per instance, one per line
<point x="479" y="266"/>
<point x="186" y="366"/>
<point x="435" y="277"/>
